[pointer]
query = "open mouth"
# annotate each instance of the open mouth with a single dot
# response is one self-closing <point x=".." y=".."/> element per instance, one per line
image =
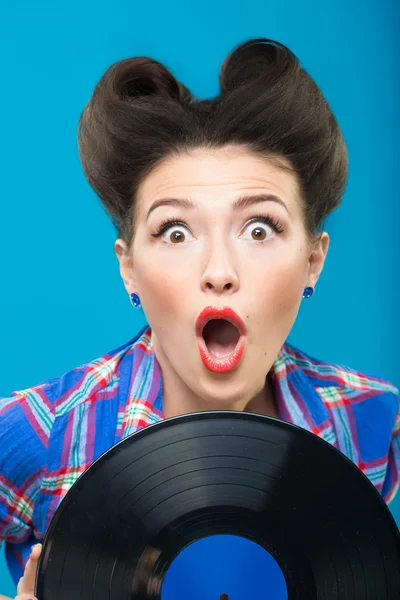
<point x="220" y="337"/>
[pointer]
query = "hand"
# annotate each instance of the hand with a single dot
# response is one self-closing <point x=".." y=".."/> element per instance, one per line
<point x="26" y="585"/>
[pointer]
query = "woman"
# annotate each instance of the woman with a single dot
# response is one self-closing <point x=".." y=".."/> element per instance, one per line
<point x="219" y="207"/>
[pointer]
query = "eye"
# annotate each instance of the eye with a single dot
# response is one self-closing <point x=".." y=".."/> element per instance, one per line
<point x="174" y="236"/>
<point x="258" y="228"/>
<point x="257" y="233"/>
<point x="173" y="232"/>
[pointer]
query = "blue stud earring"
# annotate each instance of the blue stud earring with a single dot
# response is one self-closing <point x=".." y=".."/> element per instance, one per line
<point x="135" y="300"/>
<point x="308" y="292"/>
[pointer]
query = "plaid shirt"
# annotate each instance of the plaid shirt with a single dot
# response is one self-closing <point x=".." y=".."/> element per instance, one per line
<point x="52" y="432"/>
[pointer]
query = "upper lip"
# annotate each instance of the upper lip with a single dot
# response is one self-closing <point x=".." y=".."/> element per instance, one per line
<point x="219" y="312"/>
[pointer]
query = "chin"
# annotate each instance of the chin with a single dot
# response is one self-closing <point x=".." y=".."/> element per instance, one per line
<point x="222" y="392"/>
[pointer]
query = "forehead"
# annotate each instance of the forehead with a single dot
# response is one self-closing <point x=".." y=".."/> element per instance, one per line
<point x="202" y="173"/>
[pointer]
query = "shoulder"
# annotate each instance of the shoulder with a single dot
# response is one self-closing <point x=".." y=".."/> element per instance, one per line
<point x="340" y="380"/>
<point x="34" y="418"/>
<point x="44" y="402"/>
<point x="363" y="409"/>
<point x="365" y="394"/>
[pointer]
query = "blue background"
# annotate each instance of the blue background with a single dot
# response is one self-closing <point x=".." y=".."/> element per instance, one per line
<point x="62" y="301"/>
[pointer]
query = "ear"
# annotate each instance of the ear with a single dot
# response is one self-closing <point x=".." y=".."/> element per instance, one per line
<point x="316" y="260"/>
<point x="125" y="265"/>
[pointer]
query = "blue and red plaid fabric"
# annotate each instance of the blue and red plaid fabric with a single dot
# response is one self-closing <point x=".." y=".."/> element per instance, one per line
<point x="52" y="432"/>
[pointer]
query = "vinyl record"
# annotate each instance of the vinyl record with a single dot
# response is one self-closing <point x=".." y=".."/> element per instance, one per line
<point x="221" y="506"/>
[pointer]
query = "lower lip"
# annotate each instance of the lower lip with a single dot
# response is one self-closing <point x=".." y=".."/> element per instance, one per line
<point x="224" y="364"/>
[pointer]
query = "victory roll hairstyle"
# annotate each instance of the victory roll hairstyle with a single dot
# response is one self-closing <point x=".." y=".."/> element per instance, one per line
<point x="139" y="115"/>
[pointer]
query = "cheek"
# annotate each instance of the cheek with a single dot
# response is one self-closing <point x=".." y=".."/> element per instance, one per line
<point x="281" y="285"/>
<point x="161" y="292"/>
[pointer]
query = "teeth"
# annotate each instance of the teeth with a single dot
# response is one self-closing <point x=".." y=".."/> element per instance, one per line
<point x="220" y="354"/>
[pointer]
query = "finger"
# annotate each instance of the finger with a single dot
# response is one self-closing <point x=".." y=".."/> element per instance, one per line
<point x="36" y="551"/>
<point x="26" y="584"/>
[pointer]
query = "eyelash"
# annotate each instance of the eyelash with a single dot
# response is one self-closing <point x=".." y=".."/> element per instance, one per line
<point x="165" y="225"/>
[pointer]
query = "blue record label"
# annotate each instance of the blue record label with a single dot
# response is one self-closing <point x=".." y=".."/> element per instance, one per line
<point x="224" y="567"/>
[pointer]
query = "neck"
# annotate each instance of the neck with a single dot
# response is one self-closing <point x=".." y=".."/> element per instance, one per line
<point x="179" y="399"/>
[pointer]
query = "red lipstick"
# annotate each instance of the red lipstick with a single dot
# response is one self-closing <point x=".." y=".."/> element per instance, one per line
<point x="221" y="338"/>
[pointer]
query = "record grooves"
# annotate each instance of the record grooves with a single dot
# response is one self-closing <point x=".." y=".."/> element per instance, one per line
<point x="217" y="503"/>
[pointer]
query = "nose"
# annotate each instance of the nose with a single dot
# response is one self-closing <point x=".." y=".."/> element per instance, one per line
<point x="219" y="275"/>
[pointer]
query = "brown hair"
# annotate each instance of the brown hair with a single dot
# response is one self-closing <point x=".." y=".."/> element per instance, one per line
<point x="139" y="114"/>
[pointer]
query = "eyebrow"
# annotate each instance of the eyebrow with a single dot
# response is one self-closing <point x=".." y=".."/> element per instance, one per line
<point x="239" y="204"/>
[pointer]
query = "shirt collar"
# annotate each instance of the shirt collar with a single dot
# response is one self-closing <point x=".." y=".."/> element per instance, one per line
<point x="297" y="398"/>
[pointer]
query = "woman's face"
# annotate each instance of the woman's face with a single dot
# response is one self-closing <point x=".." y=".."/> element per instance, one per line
<point x="223" y="251"/>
